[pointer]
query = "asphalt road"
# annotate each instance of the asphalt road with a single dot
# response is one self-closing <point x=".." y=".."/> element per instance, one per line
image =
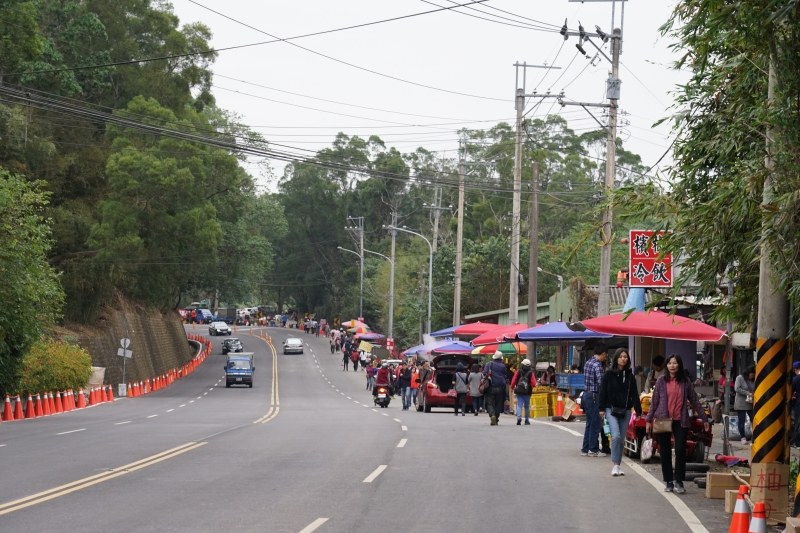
<point x="309" y="452"/>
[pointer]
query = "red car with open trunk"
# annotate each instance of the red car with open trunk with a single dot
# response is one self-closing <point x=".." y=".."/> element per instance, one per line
<point x="434" y="392"/>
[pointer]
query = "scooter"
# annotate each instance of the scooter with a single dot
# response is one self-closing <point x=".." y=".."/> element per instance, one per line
<point x="382" y="398"/>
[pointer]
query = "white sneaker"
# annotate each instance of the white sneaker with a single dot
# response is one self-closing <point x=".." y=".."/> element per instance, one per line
<point x="615" y="471"/>
<point x="619" y="471"/>
<point x="601" y="454"/>
<point x="744" y="441"/>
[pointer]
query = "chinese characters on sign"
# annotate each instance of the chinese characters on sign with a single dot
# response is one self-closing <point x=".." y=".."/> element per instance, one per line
<point x="647" y="269"/>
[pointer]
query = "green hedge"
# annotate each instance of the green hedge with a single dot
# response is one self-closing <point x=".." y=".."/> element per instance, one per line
<point x="51" y="365"/>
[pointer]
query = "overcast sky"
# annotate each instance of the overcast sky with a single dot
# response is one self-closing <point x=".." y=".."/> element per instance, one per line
<point x="445" y="50"/>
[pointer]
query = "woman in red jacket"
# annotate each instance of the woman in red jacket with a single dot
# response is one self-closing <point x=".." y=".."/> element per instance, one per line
<point x="522" y="384"/>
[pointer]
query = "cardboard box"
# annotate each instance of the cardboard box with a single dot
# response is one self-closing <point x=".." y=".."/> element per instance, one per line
<point x="718" y="482"/>
<point x="792" y="525"/>
<point x="730" y="500"/>
<point x="770" y="484"/>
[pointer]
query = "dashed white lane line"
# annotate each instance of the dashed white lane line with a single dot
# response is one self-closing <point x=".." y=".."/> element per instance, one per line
<point x="1" y="445"/>
<point x="405" y="428"/>
<point x="356" y="401"/>
<point x="152" y="416"/>
<point x="375" y="410"/>
<point x="313" y="525"/>
<point x="562" y="428"/>
<point x="199" y="397"/>
<point x="170" y="410"/>
<point x="365" y="405"/>
<point x="126" y="422"/>
<point x="73" y="431"/>
<point x="337" y="390"/>
<point x="396" y="419"/>
<point x="349" y="398"/>
<point x="384" y="414"/>
<point x="370" y="478"/>
<point x="402" y="443"/>
<point x="212" y="388"/>
<point x="182" y="405"/>
<point x="205" y="393"/>
<point x="191" y="401"/>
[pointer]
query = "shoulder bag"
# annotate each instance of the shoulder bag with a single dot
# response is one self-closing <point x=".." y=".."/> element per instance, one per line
<point x="619" y="412"/>
<point x="486" y="383"/>
<point x="662" y="425"/>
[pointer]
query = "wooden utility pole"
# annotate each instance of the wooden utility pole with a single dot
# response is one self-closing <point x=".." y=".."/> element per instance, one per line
<point x="533" y="263"/>
<point x="513" y="286"/>
<point x="459" y="237"/>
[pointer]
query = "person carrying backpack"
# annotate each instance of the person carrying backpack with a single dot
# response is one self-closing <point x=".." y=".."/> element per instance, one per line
<point x="523" y="383"/>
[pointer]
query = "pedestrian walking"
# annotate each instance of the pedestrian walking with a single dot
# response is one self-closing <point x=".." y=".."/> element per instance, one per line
<point x="618" y="395"/>
<point x="370" y="370"/>
<point x="363" y="357"/>
<point x="461" y="387"/>
<point x="496" y="397"/>
<point x="414" y="384"/>
<point x="474" y="381"/>
<point x="354" y="358"/>
<point x="743" y="403"/>
<point x="593" y="377"/>
<point x="668" y="411"/>
<point x="523" y="383"/>
<point x="404" y="383"/>
<point x="346" y="361"/>
<point x="333" y="346"/>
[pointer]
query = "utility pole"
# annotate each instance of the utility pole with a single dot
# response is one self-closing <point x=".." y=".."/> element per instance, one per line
<point x="533" y="263"/>
<point x="437" y="209"/>
<point x="359" y="231"/>
<point x="612" y="91"/>
<point x="459" y="234"/>
<point x="513" y="286"/>
<point x="393" y="233"/>
<point x="770" y="420"/>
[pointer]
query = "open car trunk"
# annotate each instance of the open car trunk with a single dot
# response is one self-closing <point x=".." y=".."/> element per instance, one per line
<point x="444" y="379"/>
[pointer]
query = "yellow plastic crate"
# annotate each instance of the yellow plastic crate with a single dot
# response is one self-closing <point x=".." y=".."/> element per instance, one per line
<point x="540" y="412"/>
<point x="539" y="400"/>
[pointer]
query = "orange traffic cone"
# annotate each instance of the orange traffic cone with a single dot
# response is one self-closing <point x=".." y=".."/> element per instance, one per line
<point x="30" y="411"/>
<point x="46" y="404"/>
<point x="81" y="399"/>
<point x="130" y="391"/>
<point x="18" y="415"/>
<point x="69" y="401"/>
<point x="51" y="403"/>
<point x="8" y="413"/>
<point x="39" y="408"/>
<point x="110" y="394"/>
<point x="142" y="387"/>
<point x="59" y="405"/>
<point x="759" y="522"/>
<point x="92" y="396"/>
<point x="578" y="411"/>
<point x="560" y="405"/>
<point x="741" y="513"/>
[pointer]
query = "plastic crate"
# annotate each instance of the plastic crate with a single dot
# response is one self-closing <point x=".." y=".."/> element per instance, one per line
<point x="540" y="412"/>
<point x="539" y="400"/>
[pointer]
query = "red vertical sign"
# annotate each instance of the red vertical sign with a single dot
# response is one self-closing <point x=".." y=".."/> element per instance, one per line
<point x="647" y="267"/>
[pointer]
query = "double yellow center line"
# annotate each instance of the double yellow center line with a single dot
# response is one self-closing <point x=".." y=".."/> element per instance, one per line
<point x="63" y="490"/>
<point x="275" y="404"/>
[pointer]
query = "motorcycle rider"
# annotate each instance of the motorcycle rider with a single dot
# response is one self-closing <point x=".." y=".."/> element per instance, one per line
<point x="383" y="379"/>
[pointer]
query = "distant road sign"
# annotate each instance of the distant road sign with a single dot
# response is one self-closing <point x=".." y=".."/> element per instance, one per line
<point x="124" y="352"/>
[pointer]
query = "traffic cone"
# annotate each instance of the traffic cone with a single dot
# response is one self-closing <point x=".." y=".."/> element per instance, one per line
<point x="51" y="403"/>
<point x="59" y="405"/>
<point x="740" y="521"/>
<point x="110" y="393"/>
<point x="8" y="413"/>
<point x="70" y="400"/>
<point x="578" y="411"/>
<point x="18" y="409"/>
<point x="560" y="405"/>
<point x="30" y="412"/>
<point x="39" y="408"/>
<point x="759" y="522"/>
<point x="46" y="404"/>
<point x="81" y="399"/>
<point x="92" y="396"/>
<point x="130" y="391"/>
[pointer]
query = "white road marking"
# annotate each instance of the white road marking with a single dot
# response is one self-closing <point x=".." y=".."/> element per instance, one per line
<point x="562" y="428"/>
<point x="405" y="428"/>
<point x="375" y="410"/>
<point x="205" y="393"/>
<point x="384" y="414"/>
<point x="356" y="401"/>
<point x="199" y="397"/>
<point x="365" y="405"/>
<point x="182" y="405"/>
<point x="152" y="416"/>
<point x="73" y="431"/>
<point x="688" y="516"/>
<point x="170" y="410"/>
<point x="191" y="401"/>
<point x="370" y="478"/>
<point x="402" y="443"/>
<point x="396" y="419"/>
<point x="337" y="390"/>
<point x="1" y="445"/>
<point x="212" y="388"/>
<point x="349" y="398"/>
<point x="126" y="422"/>
<point x="314" y="525"/>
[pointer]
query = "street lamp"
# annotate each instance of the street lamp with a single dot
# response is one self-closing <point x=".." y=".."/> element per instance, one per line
<point x="391" y="290"/>
<point x="560" y="279"/>
<point x="430" y="267"/>
<point x="361" y="260"/>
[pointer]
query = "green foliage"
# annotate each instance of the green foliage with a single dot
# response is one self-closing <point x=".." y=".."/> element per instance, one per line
<point x="30" y="295"/>
<point x="19" y="39"/>
<point x="53" y="366"/>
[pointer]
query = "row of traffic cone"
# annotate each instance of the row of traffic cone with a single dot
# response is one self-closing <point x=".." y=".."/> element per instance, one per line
<point x="741" y="521"/>
<point x="42" y="405"/>
<point x="142" y="387"/>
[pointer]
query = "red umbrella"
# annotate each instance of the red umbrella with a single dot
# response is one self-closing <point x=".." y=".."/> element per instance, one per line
<point x="497" y="334"/>
<point x="474" y="329"/>
<point x="654" y="324"/>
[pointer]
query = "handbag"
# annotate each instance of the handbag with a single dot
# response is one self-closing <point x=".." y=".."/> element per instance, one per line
<point x="486" y="383"/>
<point x="452" y="393"/>
<point x="662" y="425"/>
<point x="619" y="412"/>
<point x="646" y="453"/>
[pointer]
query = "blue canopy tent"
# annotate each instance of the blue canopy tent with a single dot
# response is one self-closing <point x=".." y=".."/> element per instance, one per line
<point x="446" y="332"/>
<point x="453" y="347"/>
<point x="557" y="331"/>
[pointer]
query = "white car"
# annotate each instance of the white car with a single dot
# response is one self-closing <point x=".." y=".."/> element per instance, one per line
<point x="219" y="328"/>
<point x="292" y="345"/>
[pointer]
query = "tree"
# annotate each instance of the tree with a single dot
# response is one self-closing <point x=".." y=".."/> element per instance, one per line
<point x="20" y="40"/>
<point x="30" y="295"/>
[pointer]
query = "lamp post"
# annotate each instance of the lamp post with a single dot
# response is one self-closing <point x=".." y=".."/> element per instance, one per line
<point x="560" y="279"/>
<point x="430" y="267"/>
<point x="361" y="261"/>
<point x="391" y="290"/>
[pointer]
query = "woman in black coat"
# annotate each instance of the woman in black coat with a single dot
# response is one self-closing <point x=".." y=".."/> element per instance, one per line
<point x="618" y="395"/>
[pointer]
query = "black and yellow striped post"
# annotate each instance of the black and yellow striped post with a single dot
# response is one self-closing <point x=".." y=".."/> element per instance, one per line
<point x="771" y="399"/>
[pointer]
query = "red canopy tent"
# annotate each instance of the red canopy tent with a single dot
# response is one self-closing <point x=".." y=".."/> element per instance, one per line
<point x="474" y="329"/>
<point x="498" y="334"/>
<point x="654" y="324"/>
